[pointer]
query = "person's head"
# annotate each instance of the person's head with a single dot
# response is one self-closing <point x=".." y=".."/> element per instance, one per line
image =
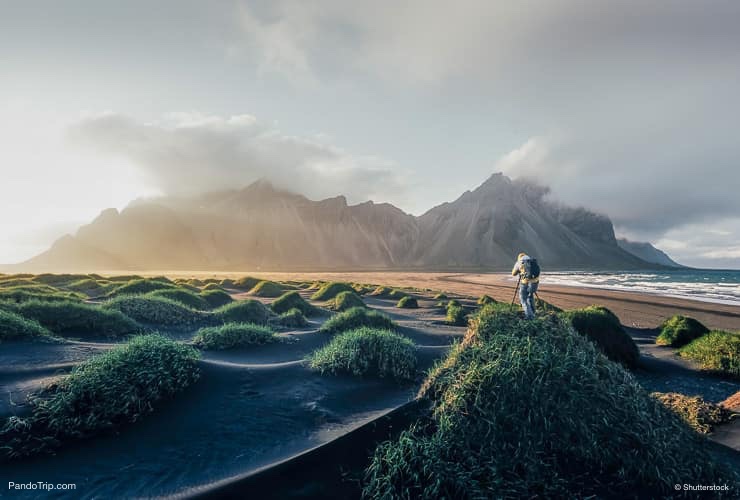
<point x="519" y="257"/>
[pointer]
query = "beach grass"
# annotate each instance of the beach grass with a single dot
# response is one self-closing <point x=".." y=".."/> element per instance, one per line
<point x="346" y="300"/>
<point x="293" y="300"/>
<point x="485" y="300"/>
<point x="456" y="315"/>
<point x="266" y="289"/>
<point x="367" y="351"/>
<point x="102" y="393"/>
<point x="330" y="290"/>
<point x="602" y="327"/>
<point x="679" y="330"/>
<point x="523" y="409"/>
<point x="357" y="317"/>
<point x="159" y="311"/>
<point x="78" y="319"/>
<point x="231" y="335"/>
<point x="243" y="311"/>
<point x="717" y="351"/>
<point x="15" y="327"/>
<point x="407" y="302"/>
<point x="701" y="415"/>
<point x="183" y="296"/>
<point x="216" y="298"/>
<point x="292" y="318"/>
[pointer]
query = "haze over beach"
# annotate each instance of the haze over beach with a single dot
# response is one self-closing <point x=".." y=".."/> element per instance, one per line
<point x="378" y="250"/>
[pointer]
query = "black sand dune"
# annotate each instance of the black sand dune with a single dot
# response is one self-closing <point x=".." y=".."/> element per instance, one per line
<point x="252" y="407"/>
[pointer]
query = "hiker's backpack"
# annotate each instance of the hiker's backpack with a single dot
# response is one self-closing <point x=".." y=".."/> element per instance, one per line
<point x="531" y="268"/>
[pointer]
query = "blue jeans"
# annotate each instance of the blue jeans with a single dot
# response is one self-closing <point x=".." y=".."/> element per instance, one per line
<point x="526" y="297"/>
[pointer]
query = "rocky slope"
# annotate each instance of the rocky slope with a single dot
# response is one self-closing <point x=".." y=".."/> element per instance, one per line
<point x="647" y="252"/>
<point x="261" y="227"/>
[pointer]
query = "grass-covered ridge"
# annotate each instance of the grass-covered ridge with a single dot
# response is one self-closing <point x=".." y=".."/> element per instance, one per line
<point x="506" y="415"/>
<point x="717" y="351"/>
<point x="231" y="335"/>
<point x="155" y="310"/>
<point x="183" y="296"/>
<point x="330" y="290"/>
<point x="601" y="326"/>
<point x="293" y="300"/>
<point x="15" y="327"/>
<point x="678" y="331"/>
<point x="243" y="311"/>
<point x="77" y="318"/>
<point x="367" y="351"/>
<point x="292" y="318"/>
<point x="216" y="298"/>
<point x="140" y="287"/>
<point x="102" y="393"/>
<point x="355" y="318"/>
<point x="699" y="414"/>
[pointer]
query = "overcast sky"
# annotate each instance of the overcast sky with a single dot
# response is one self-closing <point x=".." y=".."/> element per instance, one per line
<point x="629" y="108"/>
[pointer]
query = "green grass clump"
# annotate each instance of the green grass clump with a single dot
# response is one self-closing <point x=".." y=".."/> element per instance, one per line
<point x="456" y="315"/>
<point x="441" y="296"/>
<point x="58" y="279"/>
<point x="407" y="302"/>
<point x="382" y="292"/>
<point x="243" y="311"/>
<point x="216" y="298"/>
<point x="15" y="327"/>
<point x="679" y="331"/>
<point x="227" y="283"/>
<point x="602" y="327"/>
<point x="19" y="296"/>
<point x="246" y="283"/>
<point x="103" y="392"/>
<point x="485" y="300"/>
<point x="346" y="300"/>
<point x="292" y="300"/>
<point x="266" y="289"/>
<point x="293" y="318"/>
<point x="159" y="311"/>
<point x="717" y="351"/>
<point x="355" y="318"/>
<point x="140" y="287"/>
<point x="702" y="416"/>
<point x="184" y="297"/>
<point x="367" y="351"/>
<point x="77" y="318"/>
<point x="212" y="286"/>
<point x="87" y="286"/>
<point x="330" y="290"/>
<point x="530" y="408"/>
<point x="230" y="335"/>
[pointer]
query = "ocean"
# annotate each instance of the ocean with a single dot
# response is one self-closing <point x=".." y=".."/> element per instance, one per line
<point x="719" y="286"/>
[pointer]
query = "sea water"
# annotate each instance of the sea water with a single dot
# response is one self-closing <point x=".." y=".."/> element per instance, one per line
<point x="719" y="286"/>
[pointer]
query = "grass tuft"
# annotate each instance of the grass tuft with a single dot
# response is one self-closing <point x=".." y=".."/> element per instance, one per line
<point x="140" y="287"/>
<point x="246" y="283"/>
<point x="231" y="335"/>
<point x="346" y="300"/>
<point x="602" y="327"/>
<point x="293" y="318"/>
<point x="243" y="311"/>
<point x="456" y="315"/>
<point x="77" y="318"/>
<point x="159" y="311"/>
<point x="266" y="289"/>
<point x="355" y="318"/>
<point x="216" y="298"/>
<point x="717" y="351"/>
<point x="407" y="302"/>
<point x="679" y="331"/>
<point x="293" y="300"/>
<point x="367" y="351"/>
<point x="15" y="327"/>
<point x="702" y="416"/>
<point x="103" y="392"/>
<point x="330" y="290"/>
<point x="184" y="297"/>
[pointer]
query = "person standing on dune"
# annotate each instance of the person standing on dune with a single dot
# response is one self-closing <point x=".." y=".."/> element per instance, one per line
<point x="529" y="276"/>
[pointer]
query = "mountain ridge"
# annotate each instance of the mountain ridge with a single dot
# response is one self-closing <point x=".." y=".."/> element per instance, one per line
<point x="262" y="227"/>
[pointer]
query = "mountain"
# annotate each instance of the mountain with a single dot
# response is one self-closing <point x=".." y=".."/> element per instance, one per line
<point x="264" y="227"/>
<point x="647" y="252"/>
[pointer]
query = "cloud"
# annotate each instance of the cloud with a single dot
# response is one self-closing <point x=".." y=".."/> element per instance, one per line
<point x="189" y="153"/>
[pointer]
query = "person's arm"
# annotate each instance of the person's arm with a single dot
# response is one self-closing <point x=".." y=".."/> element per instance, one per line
<point x="516" y="270"/>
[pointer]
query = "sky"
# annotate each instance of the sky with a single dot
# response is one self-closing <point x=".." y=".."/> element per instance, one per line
<point x="627" y="108"/>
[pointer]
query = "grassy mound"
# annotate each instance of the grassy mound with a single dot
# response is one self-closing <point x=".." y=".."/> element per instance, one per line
<point x="679" y="331"/>
<point x="292" y="300"/>
<point x="355" y="318"/>
<point x="456" y="315"/>
<point x="246" y="283"/>
<point x="717" y="351"/>
<point x="18" y="295"/>
<point x="330" y="290"/>
<point x="227" y="283"/>
<point x="58" y="279"/>
<point x="155" y="310"/>
<point x="266" y="289"/>
<point x="212" y="286"/>
<point x="87" y="286"/>
<point x="104" y="392"/>
<point x="383" y="292"/>
<point x="699" y="414"/>
<point x="16" y="327"/>
<point x="602" y="327"/>
<point x="232" y="335"/>
<point x="293" y="318"/>
<point x="184" y="297"/>
<point x="441" y="296"/>
<point x="346" y="300"/>
<point x="243" y="311"/>
<point x="367" y="351"/>
<point x="407" y="302"/>
<point x="140" y="287"/>
<point x="485" y="300"/>
<point x="77" y="318"/>
<point x="216" y="298"/>
<point x="506" y="415"/>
